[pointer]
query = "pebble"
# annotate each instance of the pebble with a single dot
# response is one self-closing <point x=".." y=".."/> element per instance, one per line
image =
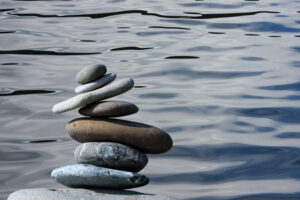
<point x="111" y="155"/>
<point x="145" y="138"/>
<point x="90" y="73"/>
<point x="84" y="99"/>
<point x="104" y="80"/>
<point x="81" y="194"/>
<point x="90" y="176"/>
<point x="109" y="109"/>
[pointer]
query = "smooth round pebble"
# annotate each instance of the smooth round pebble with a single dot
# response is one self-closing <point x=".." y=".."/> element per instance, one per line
<point x="90" y="176"/>
<point x="113" y="89"/>
<point x="109" y="109"/>
<point x="90" y="73"/>
<point x="81" y="194"/>
<point x="111" y="155"/>
<point x="104" y="80"/>
<point x="143" y="137"/>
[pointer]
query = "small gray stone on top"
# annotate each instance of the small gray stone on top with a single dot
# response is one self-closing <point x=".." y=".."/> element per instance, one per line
<point x="109" y="109"/>
<point x="81" y="194"/>
<point x="90" y="176"/>
<point x="107" y="78"/>
<point x="90" y="73"/>
<point x="111" y="155"/>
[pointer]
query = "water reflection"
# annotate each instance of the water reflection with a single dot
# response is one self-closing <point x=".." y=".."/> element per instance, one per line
<point x="220" y="77"/>
<point x="144" y="12"/>
<point x="10" y="92"/>
<point x="291" y="86"/>
<point x="280" y="114"/>
<point x="12" y="154"/>
<point x="257" y="162"/>
<point x="45" y="52"/>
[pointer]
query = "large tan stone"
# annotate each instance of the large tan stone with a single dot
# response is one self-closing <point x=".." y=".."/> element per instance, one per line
<point x="143" y="137"/>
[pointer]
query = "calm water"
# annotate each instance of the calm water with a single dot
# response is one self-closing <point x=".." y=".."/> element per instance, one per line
<point x="223" y="78"/>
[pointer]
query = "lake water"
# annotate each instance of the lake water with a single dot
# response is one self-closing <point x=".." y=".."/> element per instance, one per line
<point x="221" y="77"/>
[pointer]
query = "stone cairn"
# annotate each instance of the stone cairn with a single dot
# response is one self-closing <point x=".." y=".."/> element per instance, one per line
<point x="112" y="150"/>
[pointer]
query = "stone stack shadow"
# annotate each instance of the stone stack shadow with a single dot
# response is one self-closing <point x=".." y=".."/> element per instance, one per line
<point x="112" y="150"/>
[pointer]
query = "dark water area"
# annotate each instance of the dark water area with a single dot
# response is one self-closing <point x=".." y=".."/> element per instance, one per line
<point x="222" y="77"/>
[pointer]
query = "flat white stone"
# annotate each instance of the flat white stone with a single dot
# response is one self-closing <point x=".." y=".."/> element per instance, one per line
<point x="81" y="194"/>
<point x="107" y="78"/>
<point x="84" y="99"/>
<point x="90" y="176"/>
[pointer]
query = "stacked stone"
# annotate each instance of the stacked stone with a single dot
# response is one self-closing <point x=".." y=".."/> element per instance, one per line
<point x="112" y="150"/>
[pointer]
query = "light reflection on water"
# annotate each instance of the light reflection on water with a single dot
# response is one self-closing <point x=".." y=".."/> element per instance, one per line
<point x="221" y="77"/>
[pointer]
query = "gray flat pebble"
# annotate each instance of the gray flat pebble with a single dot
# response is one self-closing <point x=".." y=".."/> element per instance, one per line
<point x="104" y="80"/>
<point x="90" y="73"/>
<point x="111" y="155"/>
<point x="87" y="98"/>
<point x="90" y="176"/>
<point x="81" y="194"/>
<point x="109" y="109"/>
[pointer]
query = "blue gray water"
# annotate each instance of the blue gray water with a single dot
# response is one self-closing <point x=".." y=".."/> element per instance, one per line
<point x="222" y="77"/>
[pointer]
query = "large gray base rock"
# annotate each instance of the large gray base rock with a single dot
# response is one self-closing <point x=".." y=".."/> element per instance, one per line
<point x="90" y="176"/>
<point x="111" y="155"/>
<point x="80" y="194"/>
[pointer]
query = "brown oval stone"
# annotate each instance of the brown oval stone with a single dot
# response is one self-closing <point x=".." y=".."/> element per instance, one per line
<point x="143" y="137"/>
<point x="109" y="109"/>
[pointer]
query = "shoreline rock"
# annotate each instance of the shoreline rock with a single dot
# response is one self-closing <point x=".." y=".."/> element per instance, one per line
<point x="82" y="194"/>
<point x="90" y="176"/>
<point x="143" y="137"/>
<point x="87" y="98"/>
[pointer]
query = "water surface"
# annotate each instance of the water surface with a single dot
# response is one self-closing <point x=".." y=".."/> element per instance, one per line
<point x="223" y="78"/>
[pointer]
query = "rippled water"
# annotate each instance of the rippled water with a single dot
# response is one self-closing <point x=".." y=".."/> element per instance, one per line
<point x="222" y="77"/>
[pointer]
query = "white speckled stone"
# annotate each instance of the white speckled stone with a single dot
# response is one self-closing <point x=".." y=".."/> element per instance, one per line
<point x="90" y="73"/>
<point x="84" y="99"/>
<point x="107" y="78"/>
<point x="90" y="176"/>
<point x="111" y="155"/>
<point x="81" y="194"/>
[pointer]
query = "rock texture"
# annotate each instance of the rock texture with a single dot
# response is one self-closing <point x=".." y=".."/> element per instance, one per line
<point x="144" y="137"/>
<point x="90" y="73"/>
<point x="104" y="80"/>
<point x="90" y="176"/>
<point x="84" y="99"/>
<point x="111" y="155"/>
<point x="81" y="194"/>
<point x="109" y="109"/>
